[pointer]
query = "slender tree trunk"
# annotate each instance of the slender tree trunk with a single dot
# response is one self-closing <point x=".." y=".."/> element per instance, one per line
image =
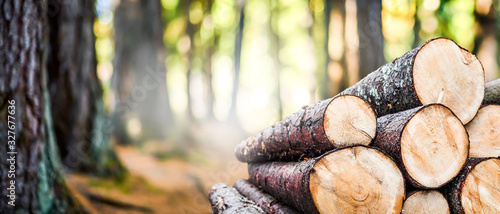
<point x="275" y="37"/>
<point x="30" y="169"/>
<point x="190" y="33"/>
<point x="210" y="50"/>
<point x="139" y="70"/>
<point x="233" y="114"/>
<point x="81" y="132"/>
<point x="371" y="40"/>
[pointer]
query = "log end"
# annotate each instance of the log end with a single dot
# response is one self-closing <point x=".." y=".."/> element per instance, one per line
<point x="426" y="202"/>
<point x="434" y="146"/>
<point x="357" y="180"/>
<point x="481" y="189"/>
<point x="484" y="132"/>
<point x="445" y="73"/>
<point x="349" y="120"/>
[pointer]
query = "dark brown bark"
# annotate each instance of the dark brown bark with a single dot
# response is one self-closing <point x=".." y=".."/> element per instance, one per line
<point x="492" y="92"/>
<point x="287" y="181"/>
<point x="371" y="39"/>
<point x="225" y="199"/>
<point x="39" y="182"/>
<point x="265" y="201"/>
<point x="139" y="70"/>
<point x="453" y="190"/>
<point x="80" y="124"/>
<point x="390" y="88"/>
<point x="298" y="136"/>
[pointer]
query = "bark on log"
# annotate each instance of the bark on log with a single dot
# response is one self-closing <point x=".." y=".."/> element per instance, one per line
<point x="336" y="122"/>
<point x="484" y="132"/>
<point x="349" y="180"/>
<point x="225" y="199"/>
<point x="438" y="71"/>
<point x="265" y="201"/>
<point x="492" y="92"/>
<point x="426" y="202"/>
<point x="477" y="188"/>
<point x="429" y="144"/>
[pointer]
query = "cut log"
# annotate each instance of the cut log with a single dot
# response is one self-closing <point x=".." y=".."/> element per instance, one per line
<point x="477" y="188"/>
<point x="438" y="71"/>
<point x="336" y="122"/>
<point x="429" y="144"/>
<point x="225" y="199"/>
<point x="492" y="92"/>
<point x="426" y="202"/>
<point x="484" y="132"/>
<point x="349" y="180"/>
<point x="265" y="201"/>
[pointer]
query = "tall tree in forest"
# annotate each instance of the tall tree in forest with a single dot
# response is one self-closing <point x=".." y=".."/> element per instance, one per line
<point x="210" y="50"/>
<point x="371" y="39"/>
<point x="31" y="166"/>
<point x="139" y="77"/>
<point x="240" y="6"/>
<point x="81" y="128"/>
<point x="190" y="29"/>
<point x="276" y="47"/>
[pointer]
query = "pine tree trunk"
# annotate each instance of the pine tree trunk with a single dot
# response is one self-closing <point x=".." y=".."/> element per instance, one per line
<point x="265" y="201"/>
<point x="310" y="132"/>
<point x="492" y="92"/>
<point x="30" y="169"/>
<point x="225" y="199"/>
<point x="349" y="180"/>
<point x="139" y="70"/>
<point x="81" y="134"/>
<point x="428" y="143"/>
<point x="477" y="188"/>
<point x="371" y="39"/>
<point x="439" y="71"/>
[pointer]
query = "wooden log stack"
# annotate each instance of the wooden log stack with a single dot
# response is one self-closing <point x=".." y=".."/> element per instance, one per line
<point x="425" y="123"/>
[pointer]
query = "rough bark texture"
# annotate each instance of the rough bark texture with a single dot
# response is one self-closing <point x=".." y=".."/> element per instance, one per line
<point x="287" y="181"/>
<point x="453" y="190"/>
<point x="299" y="135"/>
<point x="139" y="70"/>
<point x="492" y="92"/>
<point x="82" y="130"/>
<point x="39" y="182"/>
<point x="389" y="89"/>
<point x="225" y="199"/>
<point x="265" y="201"/>
<point x="390" y="128"/>
<point x="371" y="39"/>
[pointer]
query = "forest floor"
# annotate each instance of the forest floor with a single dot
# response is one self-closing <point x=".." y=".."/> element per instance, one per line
<point x="162" y="182"/>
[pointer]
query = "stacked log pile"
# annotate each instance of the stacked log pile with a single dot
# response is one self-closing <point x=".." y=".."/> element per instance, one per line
<point x="425" y="123"/>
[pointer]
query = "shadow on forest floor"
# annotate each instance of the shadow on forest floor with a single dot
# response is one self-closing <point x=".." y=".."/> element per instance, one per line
<point x="177" y="184"/>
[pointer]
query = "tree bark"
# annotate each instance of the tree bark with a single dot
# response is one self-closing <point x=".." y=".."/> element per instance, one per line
<point x="484" y="132"/>
<point x="225" y="199"/>
<point x="265" y="201"/>
<point x="371" y="39"/>
<point x="310" y="132"/>
<point x="139" y="70"/>
<point x="426" y="202"/>
<point x="30" y="169"/>
<point x="81" y="134"/>
<point x="423" y="148"/>
<point x="492" y="92"/>
<point x="477" y="185"/>
<point x="349" y="180"/>
<point x="421" y="77"/>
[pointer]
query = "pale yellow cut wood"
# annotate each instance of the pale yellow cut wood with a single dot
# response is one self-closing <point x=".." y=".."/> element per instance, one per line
<point x="426" y="202"/>
<point x="484" y="132"/>
<point x="443" y="68"/>
<point x="434" y="146"/>
<point x="357" y="180"/>
<point x="481" y="189"/>
<point x="349" y="120"/>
